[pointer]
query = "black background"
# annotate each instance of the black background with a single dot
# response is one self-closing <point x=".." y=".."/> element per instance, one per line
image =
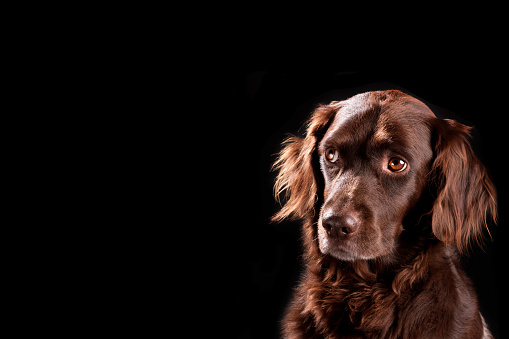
<point x="266" y="100"/>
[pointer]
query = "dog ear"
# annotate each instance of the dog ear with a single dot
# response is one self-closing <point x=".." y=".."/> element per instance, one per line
<point x="296" y="175"/>
<point x="466" y="194"/>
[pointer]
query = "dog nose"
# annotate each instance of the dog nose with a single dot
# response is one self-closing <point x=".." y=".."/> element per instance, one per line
<point x="340" y="225"/>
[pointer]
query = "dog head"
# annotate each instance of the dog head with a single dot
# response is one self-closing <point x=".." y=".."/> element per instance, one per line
<point x="365" y="163"/>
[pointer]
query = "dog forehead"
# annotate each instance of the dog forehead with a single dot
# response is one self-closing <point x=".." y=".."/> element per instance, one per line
<point x="355" y="117"/>
<point x="381" y="116"/>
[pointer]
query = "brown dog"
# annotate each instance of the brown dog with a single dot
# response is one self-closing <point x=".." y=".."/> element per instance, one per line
<point x="388" y="192"/>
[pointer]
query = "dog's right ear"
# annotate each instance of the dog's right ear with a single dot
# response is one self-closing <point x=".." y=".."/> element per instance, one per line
<point x="296" y="175"/>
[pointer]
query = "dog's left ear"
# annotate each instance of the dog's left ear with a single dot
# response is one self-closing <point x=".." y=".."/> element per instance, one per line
<point x="296" y="175"/>
<point x="466" y="195"/>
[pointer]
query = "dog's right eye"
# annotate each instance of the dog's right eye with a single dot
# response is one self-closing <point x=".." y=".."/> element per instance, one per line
<point x="331" y="155"/>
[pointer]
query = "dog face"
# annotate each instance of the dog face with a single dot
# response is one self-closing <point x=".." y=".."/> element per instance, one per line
<point x="374" y="159"/>
<point x="363" y="166"/>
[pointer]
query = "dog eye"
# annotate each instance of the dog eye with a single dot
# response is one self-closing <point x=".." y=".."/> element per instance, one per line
<point x="397" y="165"/>
<point x="331" y="155"/>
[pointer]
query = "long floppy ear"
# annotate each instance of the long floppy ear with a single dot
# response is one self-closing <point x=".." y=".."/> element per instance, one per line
<point x="466" y="195"/>
<point x="296" y="175"/>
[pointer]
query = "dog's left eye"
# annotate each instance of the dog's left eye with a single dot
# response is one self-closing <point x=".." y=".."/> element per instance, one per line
<point x="331" y="154"/>
<point x="397" y="164"/>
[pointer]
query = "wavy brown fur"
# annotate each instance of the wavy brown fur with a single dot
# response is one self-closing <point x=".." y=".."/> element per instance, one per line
<point x="296" y="173"/>
<point x="466" y="195"/>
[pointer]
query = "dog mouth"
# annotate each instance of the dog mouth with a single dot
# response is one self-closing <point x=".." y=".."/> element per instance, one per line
<point x="337" y="248"/>
<point x="354" y="248"/>
<point x="341" y="253"/>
